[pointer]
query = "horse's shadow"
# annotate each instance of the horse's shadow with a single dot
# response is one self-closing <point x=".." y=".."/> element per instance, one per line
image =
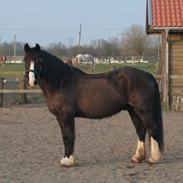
<point x="170" y="159"/>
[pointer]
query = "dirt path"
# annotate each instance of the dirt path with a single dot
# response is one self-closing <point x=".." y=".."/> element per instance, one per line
<point x="31" y="145"/>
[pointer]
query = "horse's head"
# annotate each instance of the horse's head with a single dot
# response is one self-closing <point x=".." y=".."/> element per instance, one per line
<point x="33" y="64"/>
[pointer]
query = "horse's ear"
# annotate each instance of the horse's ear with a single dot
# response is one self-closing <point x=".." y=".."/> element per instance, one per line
<point x="37" y="47"/>
<point x="26" y="47"/>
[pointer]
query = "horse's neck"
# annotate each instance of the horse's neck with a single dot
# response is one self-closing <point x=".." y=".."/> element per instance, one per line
<point x="56" y="73"/>
<point x="52" y="75"/>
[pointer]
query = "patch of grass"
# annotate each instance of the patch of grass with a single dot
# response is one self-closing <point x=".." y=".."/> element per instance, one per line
<point x="11" y="70"/>
<point x="151" y="68"/>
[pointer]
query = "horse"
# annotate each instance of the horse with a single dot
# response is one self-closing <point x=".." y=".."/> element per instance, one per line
<point x="68" y="61"/>
<point x="3" y="59"/>
<point x="85" y="59"/>
<point x="72" y="93"/>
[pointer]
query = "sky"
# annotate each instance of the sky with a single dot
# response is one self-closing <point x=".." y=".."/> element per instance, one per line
<point x="53" y="21"/>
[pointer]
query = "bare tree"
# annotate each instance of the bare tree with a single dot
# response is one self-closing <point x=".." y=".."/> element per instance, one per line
<point x="153" y="46"/>
<point x="134" y="41"/>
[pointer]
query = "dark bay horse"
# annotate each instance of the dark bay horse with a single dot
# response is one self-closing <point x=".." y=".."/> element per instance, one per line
<point x="72" y="93"/>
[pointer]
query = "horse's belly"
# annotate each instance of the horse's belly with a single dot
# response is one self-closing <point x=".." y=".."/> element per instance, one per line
<point x="100" y="107"/>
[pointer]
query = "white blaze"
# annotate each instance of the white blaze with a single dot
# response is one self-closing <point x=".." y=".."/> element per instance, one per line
<point x="31" y="75"/>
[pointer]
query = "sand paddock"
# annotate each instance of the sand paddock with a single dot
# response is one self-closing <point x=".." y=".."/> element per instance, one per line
<point x="31" y="145"/>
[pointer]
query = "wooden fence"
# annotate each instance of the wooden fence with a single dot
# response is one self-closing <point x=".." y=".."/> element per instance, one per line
<point x="22" y="90"/>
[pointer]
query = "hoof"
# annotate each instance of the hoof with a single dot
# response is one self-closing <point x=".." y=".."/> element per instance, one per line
<point x="152" y="161"/>
<point x="67" y="162"/>
<point x="137" y="159"/>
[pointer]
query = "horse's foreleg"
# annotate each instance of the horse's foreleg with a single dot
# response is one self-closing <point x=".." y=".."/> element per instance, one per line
<point x="140" y="153"/>
<point x="66" y="122"/>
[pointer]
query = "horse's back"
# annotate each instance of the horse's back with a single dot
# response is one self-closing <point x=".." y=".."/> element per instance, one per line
<point x="132" y="77"/>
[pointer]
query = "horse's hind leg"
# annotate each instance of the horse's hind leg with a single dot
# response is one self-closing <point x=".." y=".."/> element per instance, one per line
<point x="153" y="131"/>
<point x="66" y="122"/>
<point x="140" y="153"/>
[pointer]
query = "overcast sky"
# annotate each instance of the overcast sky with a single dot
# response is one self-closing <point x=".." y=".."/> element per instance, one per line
<point x="48" y="21"/>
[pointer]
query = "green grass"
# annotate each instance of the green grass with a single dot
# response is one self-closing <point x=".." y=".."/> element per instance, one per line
<point x="11" y="70"/>
<point x="17" y="70"/>
<point x="151" y="68"/>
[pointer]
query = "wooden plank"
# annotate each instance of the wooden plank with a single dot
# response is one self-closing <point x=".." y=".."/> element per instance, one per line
<point x="176" y="57"/>
<point x="1" y="87"/>
<point x="175" y="71"/>
<point x="178" y="88"/>
<point x="176" y="76"/>
<point x="176" y="67"/>
<point x="176" y="80"/>
<point x="176" y="62"/>
<point x="181" y="109"/>
<point x="177" y="53"/>
<point x="176" y="43"/>
<point x="7" y="91"/>
<point x="175" y="37"/>
<point x="175" y="84"/>
<point x="176" y="92"/>
<point x="177" y="103"/>
<point x="176" y="46"/>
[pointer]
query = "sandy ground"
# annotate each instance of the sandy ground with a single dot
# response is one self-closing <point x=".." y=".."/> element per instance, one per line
<point x="31" y="145"/>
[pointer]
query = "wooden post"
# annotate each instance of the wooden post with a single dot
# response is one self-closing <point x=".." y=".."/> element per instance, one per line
<point x="24" y="87"/>
<point x="1" y="87"/>
<point x="167" y="72"/>
<point x="166" y="89"/>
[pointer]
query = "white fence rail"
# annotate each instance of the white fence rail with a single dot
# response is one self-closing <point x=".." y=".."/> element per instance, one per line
<point x="101" y="60"/>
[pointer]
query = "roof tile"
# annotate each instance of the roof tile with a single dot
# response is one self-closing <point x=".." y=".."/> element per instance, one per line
<point x="167" y="13"/>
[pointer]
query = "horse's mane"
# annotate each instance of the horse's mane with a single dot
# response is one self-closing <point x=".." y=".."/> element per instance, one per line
<point x="47" y="56"/>
<point x="56" y="71"/>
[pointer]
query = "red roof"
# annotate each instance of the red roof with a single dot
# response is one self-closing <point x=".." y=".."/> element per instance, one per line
<point x="166" y="13"/>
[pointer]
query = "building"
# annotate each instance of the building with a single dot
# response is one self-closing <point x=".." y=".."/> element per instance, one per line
<point x="165" y="17"/>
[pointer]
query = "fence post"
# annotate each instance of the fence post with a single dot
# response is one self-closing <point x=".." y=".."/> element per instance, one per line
<point x="22" y="85"/>
<point x="1" y="87"/>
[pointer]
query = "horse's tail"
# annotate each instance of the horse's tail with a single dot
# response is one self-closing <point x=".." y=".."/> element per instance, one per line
<point x="158" y="116"/>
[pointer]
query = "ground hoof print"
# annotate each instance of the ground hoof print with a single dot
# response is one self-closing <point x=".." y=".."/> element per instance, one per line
<point x="67" y="162"/>
<point x="137" y="159"/>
